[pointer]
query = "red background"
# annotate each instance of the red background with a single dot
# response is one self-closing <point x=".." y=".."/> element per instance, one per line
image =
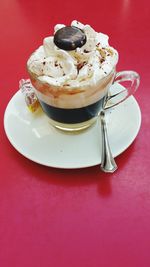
<point x="54" y="217"/>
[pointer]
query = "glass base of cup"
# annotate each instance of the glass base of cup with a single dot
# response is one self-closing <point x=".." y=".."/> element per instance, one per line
<point x="73" y="127"/>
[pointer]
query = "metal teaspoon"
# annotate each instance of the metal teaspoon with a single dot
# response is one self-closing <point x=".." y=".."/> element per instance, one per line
<point x="108" y="163"/>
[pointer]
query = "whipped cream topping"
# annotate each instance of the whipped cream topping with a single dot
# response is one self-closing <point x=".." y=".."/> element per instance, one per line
<point x="81" y="67"/>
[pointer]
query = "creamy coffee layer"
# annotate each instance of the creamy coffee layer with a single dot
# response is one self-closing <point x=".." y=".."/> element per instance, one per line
<point x="76" y="78"/>
<point x="64" y="97"/>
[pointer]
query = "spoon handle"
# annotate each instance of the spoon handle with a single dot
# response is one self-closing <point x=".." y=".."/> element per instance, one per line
<point x="108" y="163"/>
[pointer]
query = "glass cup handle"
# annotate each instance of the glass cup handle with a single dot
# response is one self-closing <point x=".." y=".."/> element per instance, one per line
<point x="123" y="76"/>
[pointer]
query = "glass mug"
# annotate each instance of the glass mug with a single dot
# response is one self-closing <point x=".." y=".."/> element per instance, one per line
<point x="74" y="109"/>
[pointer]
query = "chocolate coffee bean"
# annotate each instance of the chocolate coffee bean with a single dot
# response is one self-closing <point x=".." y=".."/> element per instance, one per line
<point x="69" y="38"/>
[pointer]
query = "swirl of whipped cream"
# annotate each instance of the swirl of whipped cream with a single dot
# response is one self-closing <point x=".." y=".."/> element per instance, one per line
<point x="86" y="65"/>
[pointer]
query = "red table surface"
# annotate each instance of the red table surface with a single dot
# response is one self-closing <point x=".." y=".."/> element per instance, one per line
<point x="53" y="217"/>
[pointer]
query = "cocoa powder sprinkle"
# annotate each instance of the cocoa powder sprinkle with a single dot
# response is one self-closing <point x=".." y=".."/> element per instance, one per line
<point x="102" y="60"/>
<point x="85" y="51"/>
<point x="80" y="65"/>
<point x="56" y="64"/>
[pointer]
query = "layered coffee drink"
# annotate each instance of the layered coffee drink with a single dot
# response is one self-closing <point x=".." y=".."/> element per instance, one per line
<point x="71" y="73"/>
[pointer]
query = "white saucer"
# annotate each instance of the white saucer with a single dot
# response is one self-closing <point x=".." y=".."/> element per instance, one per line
<point x="34" y="137"/>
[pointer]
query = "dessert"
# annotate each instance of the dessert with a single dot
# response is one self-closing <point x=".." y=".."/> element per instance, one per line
<point x="71" y="72"/>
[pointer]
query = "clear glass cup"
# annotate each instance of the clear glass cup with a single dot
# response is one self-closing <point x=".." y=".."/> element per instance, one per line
<point x="74" y="109"/>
